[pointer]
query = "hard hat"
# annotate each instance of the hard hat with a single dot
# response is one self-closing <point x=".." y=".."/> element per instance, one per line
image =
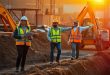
<point x="24" y="18"/>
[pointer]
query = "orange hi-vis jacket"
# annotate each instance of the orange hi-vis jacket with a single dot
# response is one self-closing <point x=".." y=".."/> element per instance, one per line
<point x="75" y="36"/>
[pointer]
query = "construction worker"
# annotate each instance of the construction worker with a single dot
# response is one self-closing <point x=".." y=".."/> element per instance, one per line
<point x="75" y="38"/>
<point x="54" y="36"/>
<point x="23" y="42"/>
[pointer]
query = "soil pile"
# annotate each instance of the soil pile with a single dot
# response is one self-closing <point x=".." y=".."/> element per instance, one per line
<point x="96" y="65"/>
<point x="39" y="52"/>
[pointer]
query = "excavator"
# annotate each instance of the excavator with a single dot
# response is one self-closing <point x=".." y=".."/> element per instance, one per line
<point x="8" y="24"/>
<point x="97" y="35"/>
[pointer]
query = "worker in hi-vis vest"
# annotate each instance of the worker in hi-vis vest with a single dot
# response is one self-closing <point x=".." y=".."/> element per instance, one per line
<point x="23" y="42"/>
<point x="54" y="36"/>
<point x="75" y="38"/>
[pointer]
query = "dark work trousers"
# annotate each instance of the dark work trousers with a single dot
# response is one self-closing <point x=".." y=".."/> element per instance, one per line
<point x="22" y="52"/>
<point x="58" y="46"/>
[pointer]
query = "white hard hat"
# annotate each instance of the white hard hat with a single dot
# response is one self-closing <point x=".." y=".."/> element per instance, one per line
<point x="24" y="18"/>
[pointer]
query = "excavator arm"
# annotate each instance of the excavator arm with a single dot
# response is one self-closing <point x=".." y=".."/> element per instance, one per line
<point x="87" y="9"/>
<point x="7" y="19"/>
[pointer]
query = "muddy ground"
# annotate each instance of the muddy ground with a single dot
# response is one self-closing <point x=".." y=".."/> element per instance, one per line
<point x="96" y="65"/>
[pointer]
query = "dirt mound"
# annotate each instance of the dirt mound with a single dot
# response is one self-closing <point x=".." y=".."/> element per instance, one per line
<point x="43" y="44"/>
<point x="8" y="52"/>
<point x="96" y="65"/>
<point x="39" y="52"/>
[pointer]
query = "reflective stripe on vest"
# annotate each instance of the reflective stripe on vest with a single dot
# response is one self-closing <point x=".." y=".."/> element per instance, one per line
<point x="75" y="36"/>
<point x="55" y="35"/>
<point x="23" y="41"/>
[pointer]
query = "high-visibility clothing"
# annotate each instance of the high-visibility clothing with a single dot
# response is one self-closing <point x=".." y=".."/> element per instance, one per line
<point x="75" y="36"/>
<point x="55" y="34"/>
<point x="24" y="41"/>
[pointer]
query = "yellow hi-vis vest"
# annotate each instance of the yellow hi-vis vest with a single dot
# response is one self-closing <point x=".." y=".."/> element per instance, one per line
<point x="26" y="42"/>
<point x="55" y="35"/>
<point x="75" y="36"/>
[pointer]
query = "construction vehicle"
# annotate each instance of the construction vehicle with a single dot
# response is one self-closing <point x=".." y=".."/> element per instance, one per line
<point x="96" y="35"/>
<point x="7" y="25"/>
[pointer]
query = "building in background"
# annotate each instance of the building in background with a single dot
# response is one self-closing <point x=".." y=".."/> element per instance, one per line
<point x="47" y="8"/>
<point x="67" y="10"/>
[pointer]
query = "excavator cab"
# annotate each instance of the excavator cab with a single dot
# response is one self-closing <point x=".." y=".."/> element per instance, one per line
<point x="93" y="36"/>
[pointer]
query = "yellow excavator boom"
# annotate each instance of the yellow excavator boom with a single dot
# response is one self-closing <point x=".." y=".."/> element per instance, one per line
<point x="7" y="19"/>
<point x="87" y="9"/>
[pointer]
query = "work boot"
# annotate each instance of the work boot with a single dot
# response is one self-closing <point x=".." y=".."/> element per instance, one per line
<point x="76" y="57"/>
<point x="57" y="61"/>
<point x="72" y="58"/>
<point x="17" y="69"/>
<point x="22" y="69"/>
